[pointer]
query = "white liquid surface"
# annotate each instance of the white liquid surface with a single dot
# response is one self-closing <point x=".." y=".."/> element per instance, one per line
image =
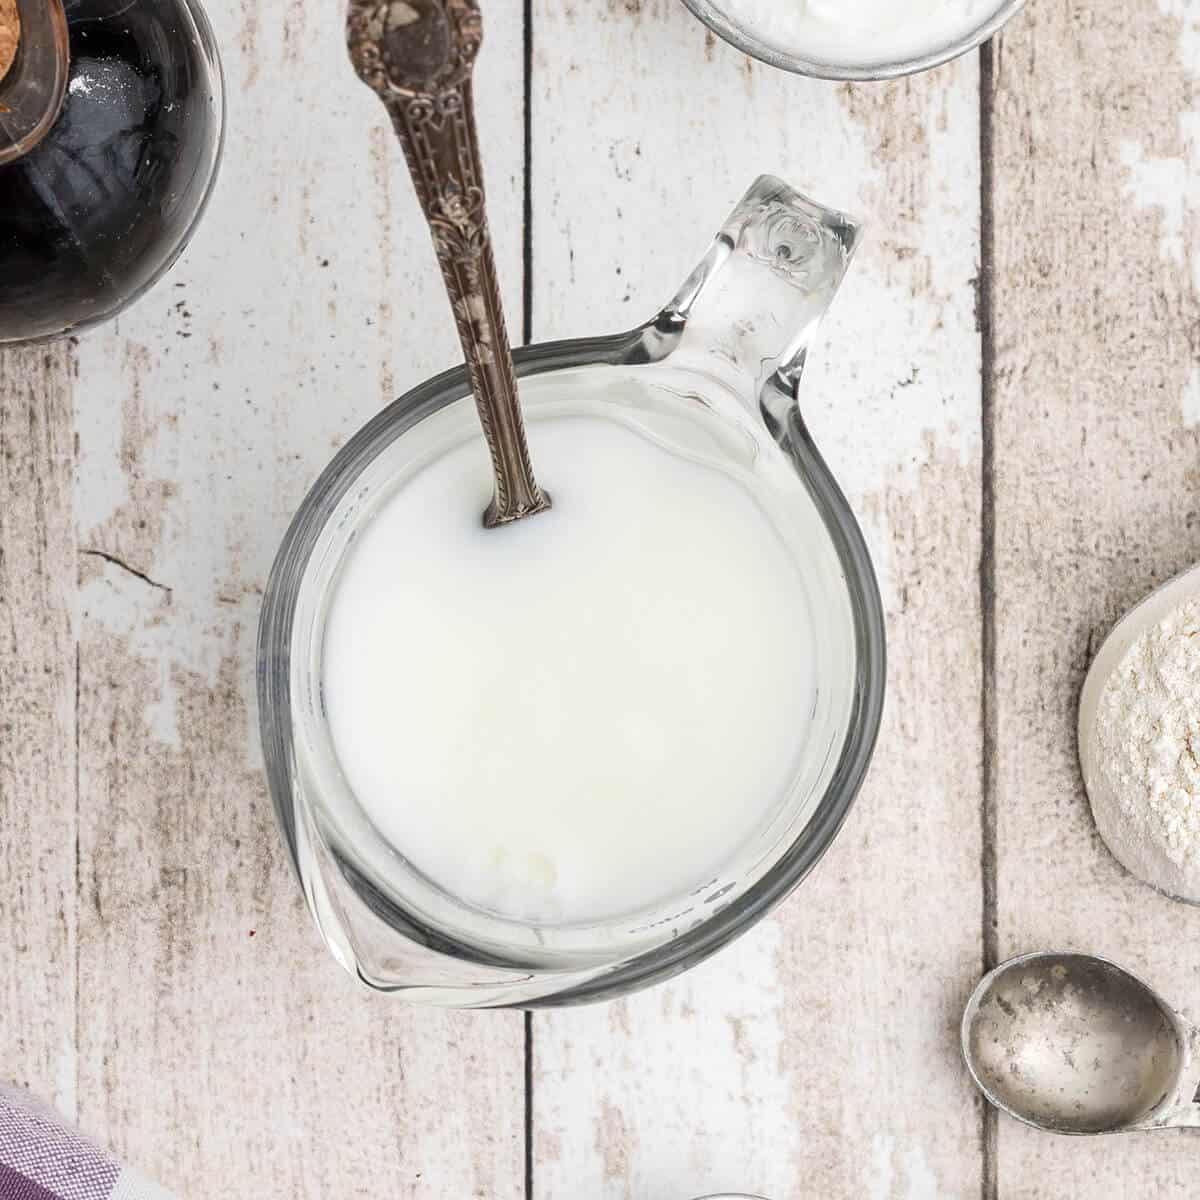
<point x="582" y="714"/>
<point x="863" y="33"/>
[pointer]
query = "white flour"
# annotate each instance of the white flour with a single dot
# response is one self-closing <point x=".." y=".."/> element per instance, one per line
<point x="1146" y="746"/>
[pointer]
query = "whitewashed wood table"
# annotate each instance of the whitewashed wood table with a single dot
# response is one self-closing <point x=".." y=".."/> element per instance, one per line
<point x="1009" y="389"/>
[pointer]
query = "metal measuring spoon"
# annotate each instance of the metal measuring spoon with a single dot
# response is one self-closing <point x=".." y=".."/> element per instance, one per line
<point x="1072" y="1043"/>
<point x="417" y="57"/>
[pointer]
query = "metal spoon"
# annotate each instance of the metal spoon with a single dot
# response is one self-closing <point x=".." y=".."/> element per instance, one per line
<point x="1071" y="1043"/>
<point x="417" y="56"/>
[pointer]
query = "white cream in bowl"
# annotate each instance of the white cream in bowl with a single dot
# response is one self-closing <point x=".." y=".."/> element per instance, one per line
<point x="853" y="34"/>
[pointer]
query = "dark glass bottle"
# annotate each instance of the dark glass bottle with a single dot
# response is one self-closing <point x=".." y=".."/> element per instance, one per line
<point x="111" y="120"/>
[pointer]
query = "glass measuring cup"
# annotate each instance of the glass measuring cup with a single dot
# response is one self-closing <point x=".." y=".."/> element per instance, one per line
<point x="715" y="373"/>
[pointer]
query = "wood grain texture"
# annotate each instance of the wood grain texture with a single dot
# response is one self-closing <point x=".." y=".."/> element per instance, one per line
<point x="218" y="1045"/>
<point x="1097" y="486"/>
<point x="37" y="724"/>
<point x="816" y="1057"/>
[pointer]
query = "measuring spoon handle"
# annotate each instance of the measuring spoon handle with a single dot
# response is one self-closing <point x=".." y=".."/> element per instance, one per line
<point x="417" y="56"/>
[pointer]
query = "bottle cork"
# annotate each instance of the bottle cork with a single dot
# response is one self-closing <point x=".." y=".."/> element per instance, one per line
<point x="10" y="34"/>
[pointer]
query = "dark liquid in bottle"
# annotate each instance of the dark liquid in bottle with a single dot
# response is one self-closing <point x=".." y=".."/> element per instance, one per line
<point x="92" y="215"/>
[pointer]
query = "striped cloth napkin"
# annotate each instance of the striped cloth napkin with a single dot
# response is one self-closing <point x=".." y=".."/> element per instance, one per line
<point x="42" y="1158"/>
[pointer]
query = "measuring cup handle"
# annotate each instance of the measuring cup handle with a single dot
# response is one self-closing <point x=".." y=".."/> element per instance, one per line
<point x="749" y="311"/>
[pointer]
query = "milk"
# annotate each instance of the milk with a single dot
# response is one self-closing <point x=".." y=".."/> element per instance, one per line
<point x="863" y="33"/>
<point x="586" y="713"/>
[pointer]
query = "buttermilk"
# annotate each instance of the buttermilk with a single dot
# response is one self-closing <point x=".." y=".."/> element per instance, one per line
<point x="587" y="712"/>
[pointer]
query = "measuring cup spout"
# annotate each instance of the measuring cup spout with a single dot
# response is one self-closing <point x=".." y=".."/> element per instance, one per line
<point x="750" y="310"/>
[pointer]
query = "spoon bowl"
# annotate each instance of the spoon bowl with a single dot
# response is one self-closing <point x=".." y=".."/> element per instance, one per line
<point x="1074" y="1044"/>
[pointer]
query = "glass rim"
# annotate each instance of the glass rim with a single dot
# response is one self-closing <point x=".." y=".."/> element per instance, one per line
<point x="662" y="960"/>
<point x="742" y="39"/>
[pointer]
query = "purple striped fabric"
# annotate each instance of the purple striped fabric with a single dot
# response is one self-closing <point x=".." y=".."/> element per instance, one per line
<point x="43" y="1158"/>
<point x="15" y="1186"/>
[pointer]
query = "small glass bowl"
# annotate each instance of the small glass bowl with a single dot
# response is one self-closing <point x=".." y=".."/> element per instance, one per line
<point x="738" y="34"/>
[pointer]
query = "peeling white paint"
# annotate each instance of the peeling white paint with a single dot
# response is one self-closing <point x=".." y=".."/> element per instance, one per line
<point x="693" y="1069"/>
<point x="881" y="1173"/>
<point x="1161" y="183"/>
<point x="898" y="366"/>
<point x="125" y="606"/>
<point x="918" y="1180"/>
<point x="66" y="1080"/>
<point x="921" y="1182"/>
<point x="1188" y="14"/>
<point x="1191" y="399"/>
<point x="1172" y="184"/>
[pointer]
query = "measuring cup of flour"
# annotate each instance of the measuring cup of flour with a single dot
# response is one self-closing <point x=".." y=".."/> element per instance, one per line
<point x="563" y="759"/>
<point x="1139" y="738"/>
<point x="855" y="39"/>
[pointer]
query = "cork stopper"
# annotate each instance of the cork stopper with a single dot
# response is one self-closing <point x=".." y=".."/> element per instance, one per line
<point x="10" y="34"/>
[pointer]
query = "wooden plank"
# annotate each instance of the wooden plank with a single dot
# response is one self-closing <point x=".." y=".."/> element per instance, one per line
<point x="817" y="1057"/>
<point x="37" y="724"/>
<point x="220" y="1047"/>
<point x="1096" y="486"/>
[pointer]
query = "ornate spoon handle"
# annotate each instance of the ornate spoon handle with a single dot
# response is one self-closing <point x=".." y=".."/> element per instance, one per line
<point x="417" y="56"/>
